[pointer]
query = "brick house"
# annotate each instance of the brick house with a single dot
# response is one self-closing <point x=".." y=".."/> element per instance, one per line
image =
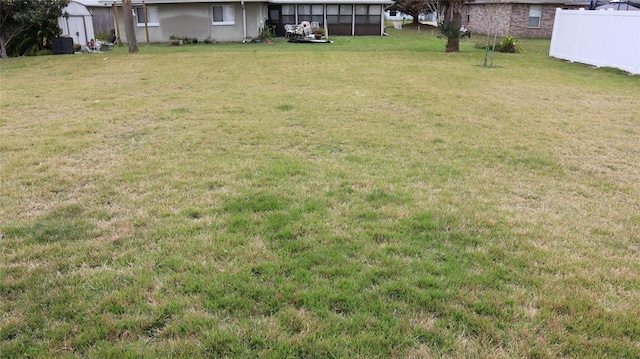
<point x="518" y="18"/>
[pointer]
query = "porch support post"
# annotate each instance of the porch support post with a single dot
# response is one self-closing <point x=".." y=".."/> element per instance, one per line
<point x="353" y="20"/>
<point x="115" y="12"/>
<point x="324" y="20"/>
<point x="146" y="21"/>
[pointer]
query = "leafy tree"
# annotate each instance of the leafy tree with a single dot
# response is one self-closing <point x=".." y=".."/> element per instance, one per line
<point x="129" y="27"/>
<point x="28" y="24"/>
<point x="414" y="7"/>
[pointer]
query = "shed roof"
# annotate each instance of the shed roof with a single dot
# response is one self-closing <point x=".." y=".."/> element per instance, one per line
<point x="75" y="8"/>
<point x="90" y="3"/>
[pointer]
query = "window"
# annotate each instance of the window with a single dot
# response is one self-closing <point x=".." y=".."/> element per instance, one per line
<point x="304" y="13"/>
<point x="339" y="14"/>
<point x="152" y="16"/>
<point x="288" y="14"/>
<point x="535" y="12"/>
<point x="345" y="14"/>
<point x="317" y="13"/>
<point x="223" y="15"/>
<point x="311" y="13"/>
<point x="288" y="10"/>
<point x="368" y="14"/>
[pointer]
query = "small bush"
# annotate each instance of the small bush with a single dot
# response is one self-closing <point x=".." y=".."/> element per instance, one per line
<point x="509" y="44"/>
<point x="265" y="34"/>
<point x="104" y="37"/>
<point x="185" y="39"/>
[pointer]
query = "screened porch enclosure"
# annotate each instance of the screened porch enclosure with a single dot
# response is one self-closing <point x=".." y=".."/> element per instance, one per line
<point x="355" y="19"/>
<point x="338" y="19"/>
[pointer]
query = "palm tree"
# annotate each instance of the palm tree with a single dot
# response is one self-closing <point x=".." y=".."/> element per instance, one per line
<point x="451" y="23"/>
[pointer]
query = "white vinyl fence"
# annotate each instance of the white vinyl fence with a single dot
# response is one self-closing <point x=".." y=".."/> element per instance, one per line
<point x="598" y="37"/>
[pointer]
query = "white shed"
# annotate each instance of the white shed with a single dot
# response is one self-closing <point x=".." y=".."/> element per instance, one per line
<point x="76" y="23"/>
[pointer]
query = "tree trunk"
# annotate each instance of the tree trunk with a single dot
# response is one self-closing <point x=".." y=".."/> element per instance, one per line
<point x="453" y="40"/>
<point x="3" y="48"/>
<point x="129" y="27"/>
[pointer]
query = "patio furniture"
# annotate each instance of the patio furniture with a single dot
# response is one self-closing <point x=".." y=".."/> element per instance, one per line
<point x="289" y="30"/>
<point x="306" y="28"/>
<point x="314" y="26"/>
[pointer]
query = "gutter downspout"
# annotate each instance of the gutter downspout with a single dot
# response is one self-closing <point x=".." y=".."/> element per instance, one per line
<point x="244" y="22"/>
<point x="353" y="20"/>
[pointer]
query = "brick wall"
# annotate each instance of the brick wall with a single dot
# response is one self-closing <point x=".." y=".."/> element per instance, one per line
<point x="508" y="19"/>
<point x="519" y="26"/>
<point x="488" y="18"/>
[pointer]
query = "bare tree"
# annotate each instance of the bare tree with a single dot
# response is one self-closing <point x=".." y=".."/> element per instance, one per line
<point x="129" y="26"/>
<point x="414" y="7"/>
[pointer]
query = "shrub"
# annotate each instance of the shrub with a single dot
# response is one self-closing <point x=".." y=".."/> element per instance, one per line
<point x="265" y="34"/>
<point x="185" y="39"/>
<point x="104" y="37"/>
<point x="509" y="44"/>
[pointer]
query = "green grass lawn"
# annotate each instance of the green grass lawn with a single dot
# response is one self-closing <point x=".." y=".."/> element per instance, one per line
<point x="374" y="197"/>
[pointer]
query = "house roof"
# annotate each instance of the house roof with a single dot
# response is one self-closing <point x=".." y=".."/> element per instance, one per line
<point x="89" y="3"/>
<point x="148" y="2"/>
<point x="383" y="2"/>
<point x="139" y="2"/>
<point x="534" y="2"/>
<point x="618" y="6"/>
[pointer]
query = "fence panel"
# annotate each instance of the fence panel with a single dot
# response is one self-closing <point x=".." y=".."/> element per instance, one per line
<point x="600" y="38"/>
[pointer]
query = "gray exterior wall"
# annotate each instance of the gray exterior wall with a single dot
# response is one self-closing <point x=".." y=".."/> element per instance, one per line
<point x="509" y="19"/>
<point x="102" y="19"/>
<point x="195" y="20"/>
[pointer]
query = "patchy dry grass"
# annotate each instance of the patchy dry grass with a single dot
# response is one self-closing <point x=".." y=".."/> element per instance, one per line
<point x="369" y="198"/>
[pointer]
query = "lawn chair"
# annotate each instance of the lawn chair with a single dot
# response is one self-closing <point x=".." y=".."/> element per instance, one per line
<point x="289" y="30"/>
<point x="464" y="32"/>
<point x="314" y="26"/>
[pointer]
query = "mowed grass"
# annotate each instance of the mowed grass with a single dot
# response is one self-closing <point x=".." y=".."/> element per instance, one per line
<point x="375" y="197"/>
